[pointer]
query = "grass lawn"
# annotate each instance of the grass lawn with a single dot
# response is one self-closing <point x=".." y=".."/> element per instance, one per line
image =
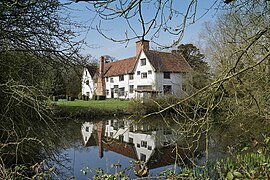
<point x="103" y="104"/>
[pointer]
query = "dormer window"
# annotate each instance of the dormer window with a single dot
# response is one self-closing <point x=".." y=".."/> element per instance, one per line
<point x="143" y="62"/>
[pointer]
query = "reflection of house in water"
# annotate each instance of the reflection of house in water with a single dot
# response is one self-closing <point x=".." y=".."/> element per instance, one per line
<point x="139" y="142"/>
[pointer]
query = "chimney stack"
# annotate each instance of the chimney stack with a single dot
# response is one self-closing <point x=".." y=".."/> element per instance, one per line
<point x="100" y="131"/>
<point x="101" y="88"/>
<point x="141" y="45"/>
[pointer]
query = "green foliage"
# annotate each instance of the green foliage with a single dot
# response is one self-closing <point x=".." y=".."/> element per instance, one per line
<point x="250" y="166"/>
<point x="101" y="175"/>
<point x="201" y="74"/>
<point x="20" y="171"/>
<point x="107" y="104"/>
<point x="150" y="105"/>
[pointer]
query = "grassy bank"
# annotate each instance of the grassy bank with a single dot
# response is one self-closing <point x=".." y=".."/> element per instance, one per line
<point x="86" y="109"/>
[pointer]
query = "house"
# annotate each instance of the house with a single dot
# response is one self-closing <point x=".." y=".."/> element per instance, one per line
<point x="148" y="73"/>
<point x="88" y="81"/>
<point x="152" y="145"/>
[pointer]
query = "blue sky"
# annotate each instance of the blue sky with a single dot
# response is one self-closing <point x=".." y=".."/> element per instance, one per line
<point x="98" y="45"/>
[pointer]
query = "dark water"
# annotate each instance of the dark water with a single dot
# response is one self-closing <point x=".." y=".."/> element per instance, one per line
<point x="104" y="144"/>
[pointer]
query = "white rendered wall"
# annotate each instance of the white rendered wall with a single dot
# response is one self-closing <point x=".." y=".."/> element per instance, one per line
<point x="87" y="88"/>
<point x="176" y="80"/>
<point x="87" y="130"/>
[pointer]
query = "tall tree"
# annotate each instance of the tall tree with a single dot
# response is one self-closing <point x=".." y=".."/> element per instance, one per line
<point x="35" y="37"/>
<point x="194" y="57"/>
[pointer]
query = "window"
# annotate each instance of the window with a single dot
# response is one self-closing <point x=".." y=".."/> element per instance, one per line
<point x="87" y="129"/>
<point x="111" y="80"/>
<point x="149" y="148"/>
<point x="143" y="62"/>
<point x="107" y="79"/>
<point x="138" y="72"/>
<point x="142" y="157"/>
<point x="122" y="91"/>
<point x="130" y="140"/>
<point x="138" y="145"/>
<point x="107" y="92"/>
<point x="121" y="78"/>
<point x="149" y="72"/>
<point x="167" y="75"/>
<point x="144" y="75"/>
<point x="144" y="144"/>
<point x="131" y="88"/>
<point x="131" y="129"/>
<point x="115" y="87"/>
<point x="121" y="138"/>
<point x="131" y="77"/>
<point x="167" y="89"/>
<point x="85" y="73"/>
<point x="87" y="82"/>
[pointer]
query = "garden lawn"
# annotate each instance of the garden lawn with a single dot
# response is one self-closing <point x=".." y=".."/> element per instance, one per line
<point x="103" y="104"/>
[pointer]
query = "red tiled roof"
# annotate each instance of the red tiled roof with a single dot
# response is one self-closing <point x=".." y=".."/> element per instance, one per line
<point x="92" y="69"/>
<point x="120" y="67"/>
<point x="168" y="62"/>
<point x="165" y="156"/>
<point x="161" y="61"/>
<point x="123" y="148"/>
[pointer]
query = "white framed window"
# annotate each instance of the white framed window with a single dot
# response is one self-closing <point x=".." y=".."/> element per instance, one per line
<point x="144" y="144"/>
<point x="138" y="72"/>
<point x="167" y="89"/>
<point x="111" y="79"/>
<point x="149" y="71"/>
<point x="121" y="78"/>
<point x="122" y="91"/>
<point x="142" y="157"/>
<point x="144" y="75"/>
<point x="143" y="62"/>
<point x="131" y="77"/>
<point x="167" y="75"/>
<point x="131" y="88"/>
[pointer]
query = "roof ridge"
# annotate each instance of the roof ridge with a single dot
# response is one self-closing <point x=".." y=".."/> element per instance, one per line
<point x="161" y="52"/>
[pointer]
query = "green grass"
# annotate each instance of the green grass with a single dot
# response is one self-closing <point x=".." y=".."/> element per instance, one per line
<point x="104" y="104"/>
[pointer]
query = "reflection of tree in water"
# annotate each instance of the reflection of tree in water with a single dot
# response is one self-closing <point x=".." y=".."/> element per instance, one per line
<point x="44" y="141"/>
<point x="151" y="141"/>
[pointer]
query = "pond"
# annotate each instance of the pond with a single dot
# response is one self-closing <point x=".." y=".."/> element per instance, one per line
<point x="114" y="144"/>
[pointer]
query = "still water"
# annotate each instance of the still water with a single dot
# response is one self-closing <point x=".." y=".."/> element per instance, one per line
<point x="114" y="144"/>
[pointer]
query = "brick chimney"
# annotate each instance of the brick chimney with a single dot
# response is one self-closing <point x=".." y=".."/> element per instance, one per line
<point x="141" y="45"/>
<point x="100" y="131"/>
<point x="101" y="87"/>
